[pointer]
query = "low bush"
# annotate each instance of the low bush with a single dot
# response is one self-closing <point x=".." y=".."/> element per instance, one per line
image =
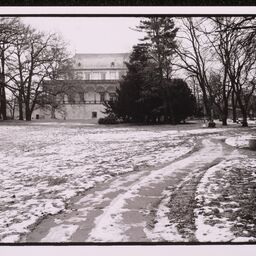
<point x="111" y="119"/>
<point x="211" y="124"/>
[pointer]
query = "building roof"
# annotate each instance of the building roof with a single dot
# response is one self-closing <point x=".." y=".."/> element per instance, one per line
<point x="100" y="60"/>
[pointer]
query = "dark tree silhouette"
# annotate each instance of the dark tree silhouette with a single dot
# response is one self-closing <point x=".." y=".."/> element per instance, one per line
<point x="139" y="98"/>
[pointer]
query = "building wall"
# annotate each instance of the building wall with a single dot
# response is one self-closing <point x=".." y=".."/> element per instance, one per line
<point x="72" y="111"/>
<point x="84" y="111"/>
<point x="96" y="78"/>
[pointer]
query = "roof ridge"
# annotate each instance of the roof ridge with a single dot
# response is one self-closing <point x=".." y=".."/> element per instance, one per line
<point x="121" y="53"/>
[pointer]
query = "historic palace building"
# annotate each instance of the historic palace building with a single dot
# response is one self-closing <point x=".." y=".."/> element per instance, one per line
<point x="96" y="77"/>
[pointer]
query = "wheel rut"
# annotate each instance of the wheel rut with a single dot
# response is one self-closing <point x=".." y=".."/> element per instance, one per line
<point x="126" y="208"/>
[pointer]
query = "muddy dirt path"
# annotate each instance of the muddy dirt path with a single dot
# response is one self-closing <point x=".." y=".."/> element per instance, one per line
<point x="127" y="208"/>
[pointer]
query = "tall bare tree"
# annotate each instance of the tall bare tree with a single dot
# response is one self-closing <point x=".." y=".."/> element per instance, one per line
<point x="234" y="44"/>
<point x="242" y="63"/>
<point x="8" y="30"/>
<point x="36" y="57"/>
<point x="221" y="41"/>
<point x="194" y="56"/>
<point x="223" y="48"/>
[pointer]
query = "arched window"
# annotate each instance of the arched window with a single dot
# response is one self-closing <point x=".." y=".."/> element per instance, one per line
<point x="77" y="98"/>
<point x="59" y="98"/>
<point x="81" y="96"/>
<point x="111" y="88"/>
<point x="112" y="96"/>
<point x="65" y="98"/>
<point x="102" y="96"/>
<point x="90" y="97"/>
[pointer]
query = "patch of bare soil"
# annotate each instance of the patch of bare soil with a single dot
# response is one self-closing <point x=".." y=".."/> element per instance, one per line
<point x="182" y="204"/>
<point x="242" y="191"/>
<point x="233" y="202"/>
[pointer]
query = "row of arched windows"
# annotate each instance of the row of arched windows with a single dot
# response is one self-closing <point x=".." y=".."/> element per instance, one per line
<point x="86" y="97"/>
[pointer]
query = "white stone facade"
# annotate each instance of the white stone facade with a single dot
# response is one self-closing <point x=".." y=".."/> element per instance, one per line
<point x="72" y="112"/>
<point x="96" y="79"/>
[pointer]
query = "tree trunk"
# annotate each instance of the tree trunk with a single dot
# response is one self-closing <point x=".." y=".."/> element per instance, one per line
<point x="224" y="119"/>
<point x="234" y="104"/>
<point x="244" y="122"/>
<point x="20" y="106"/>
<point x="53" y="116"/>
<point x="3" y="102"/>
<point x="28" y="116"/>
<point x="28" y="112"/>
<point x="206" y="103"/>
<point x="225" y="113"/>
<point x="20" y="111"/>
<point x="244" y="112"/>
<point x="13" y="111"/>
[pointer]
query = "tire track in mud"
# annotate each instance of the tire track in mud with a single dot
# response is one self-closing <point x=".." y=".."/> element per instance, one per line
<point x="181" y="201"/>
<point x="182" y="204"/>
<point x="126" y="209"/>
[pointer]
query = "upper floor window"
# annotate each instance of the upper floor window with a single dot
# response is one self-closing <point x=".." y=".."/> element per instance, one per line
<point x="113" y="75"/>
<point x="87" y="76"/>
<point x="79" y="75"/>
<point x="96" y="76"/>
<point x="103" y="75"/>
<point x="112" y="64"/>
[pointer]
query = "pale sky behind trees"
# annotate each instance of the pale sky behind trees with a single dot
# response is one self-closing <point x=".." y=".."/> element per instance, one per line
<point x="91" y="34"/>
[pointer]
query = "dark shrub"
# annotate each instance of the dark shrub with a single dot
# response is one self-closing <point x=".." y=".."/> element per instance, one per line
<point x="110" y="119"/>
<point x="211" y="124"/>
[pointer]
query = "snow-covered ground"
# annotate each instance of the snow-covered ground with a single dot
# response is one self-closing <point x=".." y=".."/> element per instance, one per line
<point x="239" y="141"/>
<point x="226" y="202"/>
<point x="242" y="139"/>
<point x="42" y="166"/>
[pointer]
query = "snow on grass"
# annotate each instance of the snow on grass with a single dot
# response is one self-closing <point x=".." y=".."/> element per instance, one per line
<point x="225" y="200"/>
<point x="206" y="192"/>
<point x="42" y="167"/>
<point x="244" y="239"/>
<point x="239" y="141"/>
<point x="204" y="131"/>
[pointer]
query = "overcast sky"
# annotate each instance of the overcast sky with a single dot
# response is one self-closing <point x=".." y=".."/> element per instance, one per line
<point x="91" y="35"/>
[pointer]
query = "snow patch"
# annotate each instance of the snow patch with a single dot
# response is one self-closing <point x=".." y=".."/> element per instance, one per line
<point x="43" y="165"/>
<point x="61" y="233"/>
<point x="239" y="141"/>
